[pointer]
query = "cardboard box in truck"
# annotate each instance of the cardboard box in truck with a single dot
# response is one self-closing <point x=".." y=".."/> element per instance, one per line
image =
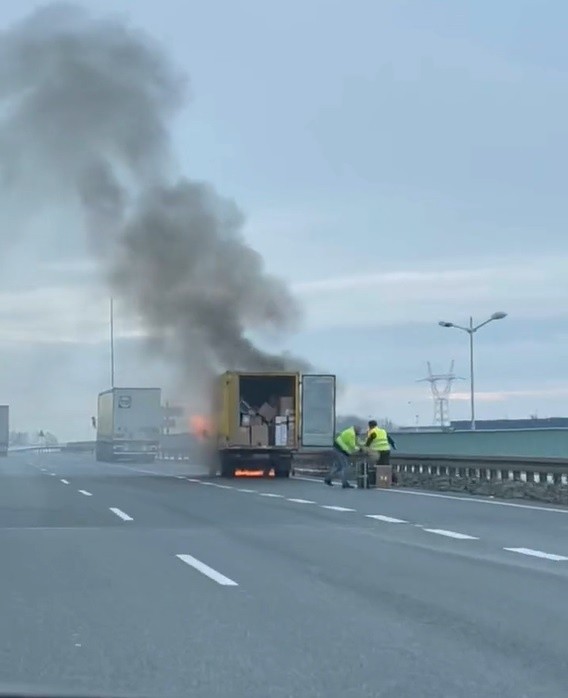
<point x="129" y="424"/>
<point x="297" y="410"/>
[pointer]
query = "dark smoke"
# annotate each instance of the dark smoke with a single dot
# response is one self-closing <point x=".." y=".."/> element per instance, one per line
<point x="88" y="105"/>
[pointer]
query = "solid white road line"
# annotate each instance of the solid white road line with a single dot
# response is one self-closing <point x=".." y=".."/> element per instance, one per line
<point x="301" y="501"/>
<point x="207" y="571"/>
<point x="121" y="514"/>
<point x="270" y="494"/>
<point x="450" y="534"/>
<point x="65" y="482"/>
<point x="242" y="489"/>
<point x="87" y="494"/>
<point x="471" y="500"/>
<point x="474" y="500"/>
<point x="386" y="519"/>
<point x="537" y="553"/>
<point x="334" y="508"/>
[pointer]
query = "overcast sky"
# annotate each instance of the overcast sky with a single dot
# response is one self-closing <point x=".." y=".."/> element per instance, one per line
<point x="399" y="162"/>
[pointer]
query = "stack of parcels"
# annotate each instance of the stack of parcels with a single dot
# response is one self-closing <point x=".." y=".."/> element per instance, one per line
<point x="267" y="425"/>
<point x="254" y="427"/>
<point x="285" y="423"/>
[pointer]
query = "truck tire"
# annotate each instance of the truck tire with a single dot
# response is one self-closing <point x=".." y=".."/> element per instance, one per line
<point x="282" y="467"/>
<point x="228" y="466"/>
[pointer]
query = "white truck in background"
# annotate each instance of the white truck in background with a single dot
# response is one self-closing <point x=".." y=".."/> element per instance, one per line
<point x="129" y="422"/>
<point x="4" y="429"/>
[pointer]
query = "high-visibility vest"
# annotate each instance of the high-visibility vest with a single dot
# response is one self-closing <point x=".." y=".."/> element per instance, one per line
<point x="347" y="440"/>
<point x="380" y="442"/>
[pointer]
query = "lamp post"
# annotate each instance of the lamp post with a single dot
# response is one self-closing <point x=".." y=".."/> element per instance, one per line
<point x="111" y="327"/>
<point x="471" y="329"/>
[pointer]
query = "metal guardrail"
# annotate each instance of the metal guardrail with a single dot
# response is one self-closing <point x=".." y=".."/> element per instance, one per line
<point x="36" y="449"/>
<point x="484" y="468"/>
<point x="540" y="471"/>
<point x="545" y="470"/>
<point x="70" y="447"/>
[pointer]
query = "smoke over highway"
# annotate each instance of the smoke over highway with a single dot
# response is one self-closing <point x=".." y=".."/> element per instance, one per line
<point x="87" y="110"/>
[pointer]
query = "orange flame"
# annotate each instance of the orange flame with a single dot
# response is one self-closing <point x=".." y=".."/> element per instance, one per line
<point x="200" y="426"/>
<point x="252" y="473"/>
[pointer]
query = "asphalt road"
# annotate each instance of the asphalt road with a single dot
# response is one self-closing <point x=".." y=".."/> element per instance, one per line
<point x="154" y="581"/>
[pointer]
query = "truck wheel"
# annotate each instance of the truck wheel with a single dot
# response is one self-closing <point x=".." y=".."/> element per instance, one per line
<point x="228" y="471"/>
<point x="228" y="467"/>
<point x="282" y="468"/>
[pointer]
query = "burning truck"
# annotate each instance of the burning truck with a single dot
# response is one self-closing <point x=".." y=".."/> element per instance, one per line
<point x="262" y="418"/>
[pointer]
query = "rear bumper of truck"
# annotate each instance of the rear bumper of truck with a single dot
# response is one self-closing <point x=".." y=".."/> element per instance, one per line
<point x="246" y="458"/>
<point x="126" y="450"/>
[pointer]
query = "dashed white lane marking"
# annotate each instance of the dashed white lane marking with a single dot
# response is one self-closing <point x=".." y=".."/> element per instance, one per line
<point x="53" y="474"/>
<point x="537" y="553"/>
<point x="209" y="484"/>
<point x="386" y="519"/>
<point x="270" y="494"/>
<point x="224" y="487"/>
<point x="335" y="508"/>
<point x="301" y="501"/>
<point x="207" y="571"/>
<point x="180" y="477"/>
<point x="192" y="479"/>
<point x="87" y="494"/>
<point x="65" y="482"/>
<point x="121" y="514"/>
<point x="242" y="489"/>
<point x="450" y="534"/>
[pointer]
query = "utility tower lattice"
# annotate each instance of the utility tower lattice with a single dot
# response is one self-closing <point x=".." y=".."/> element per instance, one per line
<point x="441" y="387"/>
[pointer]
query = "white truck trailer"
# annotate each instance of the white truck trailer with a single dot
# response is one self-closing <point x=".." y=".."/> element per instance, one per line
<point x="129" y="424"/>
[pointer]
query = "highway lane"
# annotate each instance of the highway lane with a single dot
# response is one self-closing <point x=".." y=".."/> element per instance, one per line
<point x="326" y="601"/>
<point x="523" y="526"/>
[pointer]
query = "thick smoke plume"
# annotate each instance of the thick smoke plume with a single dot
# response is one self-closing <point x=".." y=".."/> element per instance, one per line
<point x="88" y="106"/>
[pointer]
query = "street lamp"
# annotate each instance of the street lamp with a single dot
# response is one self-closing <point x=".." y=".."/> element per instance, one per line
<point x="471" y="330"/>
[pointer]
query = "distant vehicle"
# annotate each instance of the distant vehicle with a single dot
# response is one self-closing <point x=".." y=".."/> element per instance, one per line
<point x="4" y="429"/>
<point x="128" y="423"/>
<point x="263" y="418"/>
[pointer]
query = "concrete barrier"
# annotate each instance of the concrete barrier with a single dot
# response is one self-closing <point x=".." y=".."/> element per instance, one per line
<point x="504" y="443"/>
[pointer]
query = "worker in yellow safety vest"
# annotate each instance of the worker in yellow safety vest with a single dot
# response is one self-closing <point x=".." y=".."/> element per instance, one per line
<point x="346" y="445"/>
<point x="378" y="444"/>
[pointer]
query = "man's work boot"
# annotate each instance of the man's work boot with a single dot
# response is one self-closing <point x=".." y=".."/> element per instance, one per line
<point x="328" y="481"/>
<point x="347" y="486"/>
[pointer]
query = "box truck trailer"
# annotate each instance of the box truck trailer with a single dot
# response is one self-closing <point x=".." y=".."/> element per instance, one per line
<point x="263" y="418"/>
<point x="129" y="424"/>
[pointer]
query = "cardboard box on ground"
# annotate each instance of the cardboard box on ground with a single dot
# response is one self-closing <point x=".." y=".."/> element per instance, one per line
<point x="268" y="425"/>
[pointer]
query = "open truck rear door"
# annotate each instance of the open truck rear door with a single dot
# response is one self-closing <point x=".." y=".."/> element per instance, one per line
<point x="318" y="411"/>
